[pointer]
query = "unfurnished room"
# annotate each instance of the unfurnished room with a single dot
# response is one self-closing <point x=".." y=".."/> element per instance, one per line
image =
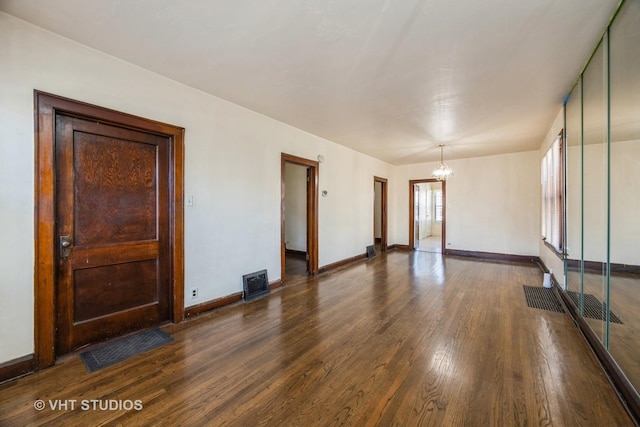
<point x="319" y="212"/>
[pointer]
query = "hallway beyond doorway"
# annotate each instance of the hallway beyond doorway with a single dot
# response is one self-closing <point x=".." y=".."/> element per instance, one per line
<point x="430" y="244"/>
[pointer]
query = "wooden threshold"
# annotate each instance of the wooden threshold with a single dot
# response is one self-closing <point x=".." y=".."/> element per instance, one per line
<point x="399" y="247"/>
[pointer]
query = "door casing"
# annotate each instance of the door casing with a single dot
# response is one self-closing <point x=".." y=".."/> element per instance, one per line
<point x="312" y="212"/>
<point x="45" y="270"/>
<point x="383" y="215"/>
<point x="413" y="182"/>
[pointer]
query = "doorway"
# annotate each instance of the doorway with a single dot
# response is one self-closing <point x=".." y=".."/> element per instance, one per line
<point x="380" y="213"/>
<point x="299" y="217"/>
<point x="427" y="215"/>
<point x="109" y="231"/>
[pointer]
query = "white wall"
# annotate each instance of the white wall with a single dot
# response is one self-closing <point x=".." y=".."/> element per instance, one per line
<point x="493" y="203"/>
<point x="232" y="169"/>
<point x="295" y="207"/>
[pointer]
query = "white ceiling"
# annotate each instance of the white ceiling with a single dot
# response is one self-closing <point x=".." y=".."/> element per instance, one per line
<point x="389" y="78"/>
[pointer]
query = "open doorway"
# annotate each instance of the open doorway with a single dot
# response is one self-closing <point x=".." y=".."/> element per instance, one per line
<point x="380" y="213"/>
<point x="299" y="218"/>
<point x="427" y="207"/>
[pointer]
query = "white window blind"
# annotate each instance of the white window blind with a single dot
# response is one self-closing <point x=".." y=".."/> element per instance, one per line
<point x="552" y="218"/>
<point x="437" y="203"/>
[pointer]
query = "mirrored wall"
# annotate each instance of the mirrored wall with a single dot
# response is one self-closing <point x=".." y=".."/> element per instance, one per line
<point x="602" y="128"/>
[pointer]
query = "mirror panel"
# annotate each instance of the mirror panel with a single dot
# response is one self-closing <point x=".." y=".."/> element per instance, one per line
<point x="573" y="176"/>
<point x="624" y="280"/>
<point x="595" y="192"/>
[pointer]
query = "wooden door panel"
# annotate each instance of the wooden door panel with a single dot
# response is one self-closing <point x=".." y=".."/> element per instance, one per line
<point x="97" y="255"/>
<point x="123" y="174"/>
<point x="112" y="202"/>
<point x="117" y="287"/>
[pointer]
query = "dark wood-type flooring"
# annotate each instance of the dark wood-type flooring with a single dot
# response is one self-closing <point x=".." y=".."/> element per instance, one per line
<point x="407" y="338"/>
<point x="295" y="268"/>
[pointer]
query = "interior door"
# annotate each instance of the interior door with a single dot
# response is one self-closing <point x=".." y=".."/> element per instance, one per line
<point x="112" y="230"/>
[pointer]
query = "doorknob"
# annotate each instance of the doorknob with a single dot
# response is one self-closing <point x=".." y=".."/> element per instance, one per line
<point x="65" y="246"/>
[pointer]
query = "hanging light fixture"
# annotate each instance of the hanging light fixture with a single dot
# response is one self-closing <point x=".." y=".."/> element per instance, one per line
<point x="443" y="171"/>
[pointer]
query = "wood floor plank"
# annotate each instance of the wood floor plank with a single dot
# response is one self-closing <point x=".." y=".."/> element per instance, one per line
<point x="407" y="338"/>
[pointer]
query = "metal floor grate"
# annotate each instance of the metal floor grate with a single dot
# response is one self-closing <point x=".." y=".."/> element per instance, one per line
<point x="124" y="348"/>
<point x="542" y="298"/>
<point x="593" y="308"/>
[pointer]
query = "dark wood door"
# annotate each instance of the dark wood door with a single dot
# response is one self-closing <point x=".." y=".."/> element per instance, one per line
<point x="112" y="231"/>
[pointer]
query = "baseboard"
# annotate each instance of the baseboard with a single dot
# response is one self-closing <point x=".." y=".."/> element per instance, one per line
<point x="17" y="367"/>
<point x="494" y="256"/>
<point x="275" y="284"/>
<point x="341" y="263"/>
<point x="397" y="246"/>
<point x="597" y="266"/>
<point x="293" y="252"/>
<point x="195" y="310"/>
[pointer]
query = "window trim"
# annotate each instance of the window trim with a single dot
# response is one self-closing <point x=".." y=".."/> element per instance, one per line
<point x="556" y="194"/>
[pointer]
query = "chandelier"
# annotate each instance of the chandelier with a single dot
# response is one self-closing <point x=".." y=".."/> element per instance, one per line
<point x="443" y="171"/>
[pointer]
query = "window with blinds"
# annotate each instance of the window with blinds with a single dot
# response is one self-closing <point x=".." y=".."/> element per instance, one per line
<point x="437" y="203"/>
<point x="552" y="203"/>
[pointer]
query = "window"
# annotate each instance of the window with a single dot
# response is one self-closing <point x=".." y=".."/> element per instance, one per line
<point x="552" y="209"/>
<point x="437" y="203"/>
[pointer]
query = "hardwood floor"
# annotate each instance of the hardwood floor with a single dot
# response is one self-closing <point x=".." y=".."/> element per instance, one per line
<point x="430" y="244"/>
<point x="296" y="268"/>
<point x="407" y="338"/>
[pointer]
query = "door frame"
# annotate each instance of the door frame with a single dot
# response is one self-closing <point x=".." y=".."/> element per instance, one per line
<point x="312" y="212"/>
<point x="45" y="262"/>
<point x="383" y="215"/>
<point x="444" y="211"/>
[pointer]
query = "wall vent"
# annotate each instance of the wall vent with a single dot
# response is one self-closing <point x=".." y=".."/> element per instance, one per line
<point x="255" y="284"/>
<point x="371" y="251"/>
